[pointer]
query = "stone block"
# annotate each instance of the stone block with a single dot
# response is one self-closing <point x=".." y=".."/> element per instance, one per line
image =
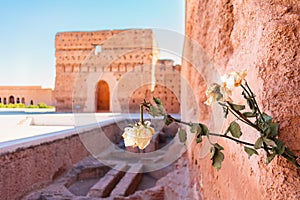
<point x="129" y="182"/>
<point x="107" y="183"/>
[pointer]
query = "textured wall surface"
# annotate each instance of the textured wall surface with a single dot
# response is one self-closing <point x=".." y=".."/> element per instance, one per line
<point x="264" y="38"/>
<point x="31" y="168"/>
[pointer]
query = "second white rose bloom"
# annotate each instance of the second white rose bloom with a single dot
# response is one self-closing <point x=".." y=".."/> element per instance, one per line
<point x="139" y="135"/>
<point x="222" y="93"/>
<point x="233" y="79"/>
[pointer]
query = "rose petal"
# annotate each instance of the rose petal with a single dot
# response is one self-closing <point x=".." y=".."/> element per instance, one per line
<point x="139" y="135"/>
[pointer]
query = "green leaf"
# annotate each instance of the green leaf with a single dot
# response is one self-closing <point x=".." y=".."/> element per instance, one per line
<point x="212" y="152"/>
<point x="237" y="107"/>
<point x="280" y="146"/>
<point x="182" y="135"/>
<point x="161" y="109"/>
<point x="154" y="111"/>
<point x="167" y="120"/>
<point x="204" y="129"/>
<point x="235" y="129"/>
<point x="157" y="101"/>
<point x="251" y="104"/>
<point x="218" y="159"/>
<point x="195" y="128"/>
<point x="160" y="106"/>
<point x="269" y="142"/>
<point x="289" y="155"/>
<point x="270" y="158"/>
<point x="216" y="156"/>
<point x="219" y="147"/>
<point x="274" y="129"/>
<point x="249" y="114"/>
<point x="258" y="143"/>
<point x="198" y="139"/>
<point x="265" y="118"/>
<point x="266" y="129"/>
<point x="250" y="151"/>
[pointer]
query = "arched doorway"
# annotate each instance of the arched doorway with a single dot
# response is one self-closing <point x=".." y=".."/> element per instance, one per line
<point x="102" y="95"/>
<point x="11" y="99"/>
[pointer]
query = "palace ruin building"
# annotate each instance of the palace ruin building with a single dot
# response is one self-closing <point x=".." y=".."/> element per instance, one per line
<point x="112" y="71"/>
<point x="27" y="95"/>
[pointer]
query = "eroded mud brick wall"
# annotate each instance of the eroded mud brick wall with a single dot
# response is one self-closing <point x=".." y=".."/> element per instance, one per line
<point x="72" y="50"/>
<point x="124" y="60"/>
<point x="167" y="87"/>
<point x="264" y="38"/>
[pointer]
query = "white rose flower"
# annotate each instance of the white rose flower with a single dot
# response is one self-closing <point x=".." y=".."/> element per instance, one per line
<point x="233" y="79"/>
<point x="217" y="93"/>
<point x="139" y="135"/>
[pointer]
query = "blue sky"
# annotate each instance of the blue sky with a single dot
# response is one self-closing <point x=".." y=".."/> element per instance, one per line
<point x="28" y="28"/>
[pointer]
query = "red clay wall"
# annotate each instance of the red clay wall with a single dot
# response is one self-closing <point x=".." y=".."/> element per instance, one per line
<point x="264" y="38"/>
<point x="32" y="165"/>
<point x="31" y="168"/>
